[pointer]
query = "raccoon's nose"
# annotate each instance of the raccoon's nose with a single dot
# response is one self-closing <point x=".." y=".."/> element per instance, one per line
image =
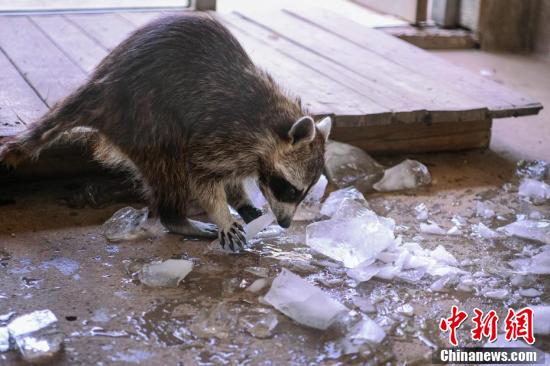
<point x="284" y="222"/>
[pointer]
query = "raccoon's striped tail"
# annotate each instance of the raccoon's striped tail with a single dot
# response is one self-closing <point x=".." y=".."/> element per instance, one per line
<point x="68" y="114"/>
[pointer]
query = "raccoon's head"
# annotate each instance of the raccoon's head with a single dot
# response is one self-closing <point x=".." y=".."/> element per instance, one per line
<point x="294" y="167"/>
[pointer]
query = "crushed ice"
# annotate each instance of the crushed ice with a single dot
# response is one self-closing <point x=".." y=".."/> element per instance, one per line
<point x="165" y="274"/>
<point x="126" y="224"/>
<point x="303" y="302"/>
<point x="349" y="165"/>
<point x="309" y="209"/>
<point x="405" y="175"/>
<point x="35" y="335"/>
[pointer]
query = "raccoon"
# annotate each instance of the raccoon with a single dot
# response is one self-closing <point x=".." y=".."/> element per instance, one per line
<point x="180" y="105"/>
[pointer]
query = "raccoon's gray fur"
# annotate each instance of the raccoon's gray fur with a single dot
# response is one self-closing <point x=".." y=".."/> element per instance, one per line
<point x="181" y="105"/>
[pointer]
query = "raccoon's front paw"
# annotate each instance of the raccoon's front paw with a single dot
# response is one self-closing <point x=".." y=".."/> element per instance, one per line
<point x="233" y="236"/>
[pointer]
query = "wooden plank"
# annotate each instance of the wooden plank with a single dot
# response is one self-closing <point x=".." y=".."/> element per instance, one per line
<point x="77" y="45"/>
<point x="417" y="137"/>
<point x="139" y="19"/>
<point x="501" y="101"/>
<point x="19" y="103"/>
<point x="107" y="29"/>
<point x="50" y="72"/>
<point x="441" y="102"/>
<point x="403" y="109"/>
<point x="319" y="94"/>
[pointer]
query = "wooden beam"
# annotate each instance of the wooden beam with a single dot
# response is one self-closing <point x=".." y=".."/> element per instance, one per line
<point x="414" y="11"/>
<point x="508" y="27"/>
<point x="417" y="137"/>
<point x="204" y="5"/>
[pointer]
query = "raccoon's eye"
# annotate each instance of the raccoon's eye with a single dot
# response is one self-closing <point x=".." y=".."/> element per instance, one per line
<point x="283" y="190"/>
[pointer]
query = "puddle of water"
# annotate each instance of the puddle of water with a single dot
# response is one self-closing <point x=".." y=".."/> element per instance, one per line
<point x="64" y="265"/>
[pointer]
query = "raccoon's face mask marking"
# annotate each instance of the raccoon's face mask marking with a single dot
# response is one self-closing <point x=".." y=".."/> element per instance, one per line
<point x="295" y="171"/>
<point x="283" y="190"/>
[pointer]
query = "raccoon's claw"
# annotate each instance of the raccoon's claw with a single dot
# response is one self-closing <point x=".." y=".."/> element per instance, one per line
<point x="233" y="237"/>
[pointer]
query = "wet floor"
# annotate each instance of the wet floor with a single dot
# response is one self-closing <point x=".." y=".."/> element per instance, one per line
<point x="55" y="257"/>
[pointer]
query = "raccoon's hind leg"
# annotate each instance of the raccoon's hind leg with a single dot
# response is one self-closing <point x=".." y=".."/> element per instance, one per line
<point x="239" y="200"/>
<point x="176" y="222"/>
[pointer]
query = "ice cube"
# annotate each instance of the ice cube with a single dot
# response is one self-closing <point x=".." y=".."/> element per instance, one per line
<point x="258" y="271"/>
<point x="421" y="212"/>
<point x="165" y="274"/>
<point x="412" y="276"/>
<point x="346" y="164"/>
<point x="364" y="304"/>
<point x="536" y="215"/>
<point x="443" y="256"/>
<point x="367" y="330"/>
<point x="483" y="210"/>
<point x="126" y="224"/>
<point x="541" y="319"/>
<point x="335" y="201"/>
<point x="534" y="169"/>
<point x="417" y="261"/>
<point x="260" y="325"/>
<point x="217" y="321"/>
<point x="255" y="226"/>
<point x="529" y="292"/>
<point x="303" y="302"/>
<point x="7" y="316"/>
<point x="454" y="231"/>
<point x="465" y="284"/>
<point x="257" y="285"/>
<point x="254" y="193"/>
<point x="351" y="241"/>
<point x="537" y="264"/>
<point x="458" y="220"/>
<point x="406" y="309"/>
<point x="364" y="271"/>
<point x="495" y="293"/>
<point x="536" y="191"/>
<point x="432" y="228"/>
<point x="440" y="284"/>
<point x="310" y="207"/>
<point x="414" y="248"/>
<point x="484" y="232"/>
<point x="36" y="335"/>
<point x="387" y="271"/>
<point x="350" y="208"/>
<point x="529" y="229"/>
<point x="4" y="339"/>
<point x="406" y="175"/>
<point x="540" y="263"/>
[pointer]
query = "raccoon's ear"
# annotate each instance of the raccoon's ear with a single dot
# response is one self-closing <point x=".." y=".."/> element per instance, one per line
<point x="324" y="127"/>
<point x="303" y="130"/>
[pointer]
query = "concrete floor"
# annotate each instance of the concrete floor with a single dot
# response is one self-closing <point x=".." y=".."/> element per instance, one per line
<point x="55" y="257"/>
<point x="525" y="137"/>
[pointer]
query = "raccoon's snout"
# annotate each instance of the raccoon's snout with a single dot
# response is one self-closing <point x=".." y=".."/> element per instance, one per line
<point x="284" y="222"/>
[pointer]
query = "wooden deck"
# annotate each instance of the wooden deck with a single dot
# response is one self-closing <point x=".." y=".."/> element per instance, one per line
<point x="384" y="94"/>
